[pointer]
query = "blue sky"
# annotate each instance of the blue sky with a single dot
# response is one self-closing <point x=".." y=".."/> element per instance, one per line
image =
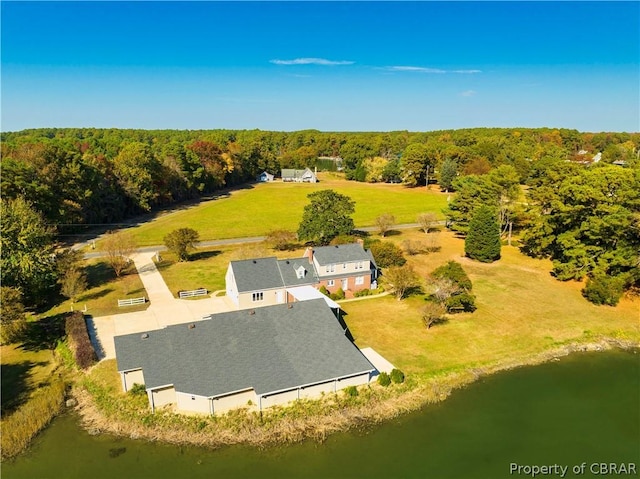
<point x="332" y="66"/>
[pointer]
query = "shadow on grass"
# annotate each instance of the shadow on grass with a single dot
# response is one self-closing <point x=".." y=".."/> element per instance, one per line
<point x="99" y="274"/>
<point x="15" y="388"/>
<point x="392" y="233"/>
<point x="44" y="334"/>
<point x="204" y="255"/>
<point x="343" y="324"/>
<point x="95" y="295"/>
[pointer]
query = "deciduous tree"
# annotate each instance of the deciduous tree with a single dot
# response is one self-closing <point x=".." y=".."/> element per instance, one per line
<point x="118" y="247"/>
<point x="12" y="318"/>
<point x="401" y="280"/>
<point x="326" y="216"/>
<point x="384" y="223"/>
<point x="181" y="241"/>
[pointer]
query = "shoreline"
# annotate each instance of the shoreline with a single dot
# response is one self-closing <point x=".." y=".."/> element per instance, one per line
<point x="249" y="429"/>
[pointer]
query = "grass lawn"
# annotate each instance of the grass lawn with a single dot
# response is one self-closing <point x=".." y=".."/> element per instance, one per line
<point x="255" y="210"/>
<point x="522" y="311"/>
<point x="24" y="370"/>
<point x="104" y="291"/>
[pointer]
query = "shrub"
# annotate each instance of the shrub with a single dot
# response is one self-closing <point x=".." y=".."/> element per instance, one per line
<point x="387" y="254"/>
<point x="463" y="301"/>
<point x="351" y="391"/>
<point x="138" y="390"/>
<point x="323" y="290"/>
<point x="384" y="379"/>
<point x="362" y="292"/>
<point x="78" y="339"/>
<point x="397" y="376"/>
<point x="338" y="295"/>
<point x="453" y="271"/>
<point x="603" y="289"/>
<point x="181" y="241"/>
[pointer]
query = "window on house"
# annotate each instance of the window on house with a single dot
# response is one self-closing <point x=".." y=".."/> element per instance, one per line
<point x="257" y="296"/>
<point x="360" y="280"/>
<point x="331" y="282"/>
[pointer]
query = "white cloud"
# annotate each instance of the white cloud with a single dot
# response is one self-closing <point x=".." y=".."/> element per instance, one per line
<point x="468" y="93"/>
<point x="406" y="68"/>
<point x="311" y="61"/>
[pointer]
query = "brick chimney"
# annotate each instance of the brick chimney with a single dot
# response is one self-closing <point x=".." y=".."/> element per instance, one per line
<point x="308" y="254"/>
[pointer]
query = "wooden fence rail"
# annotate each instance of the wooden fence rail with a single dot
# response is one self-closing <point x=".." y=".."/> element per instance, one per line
<point x="193" y="292"/>
<point x="131" y="301"/>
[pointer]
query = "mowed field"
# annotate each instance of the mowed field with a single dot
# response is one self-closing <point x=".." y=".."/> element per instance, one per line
<point x="522" y="311"/>
<point x="260" y="208"/>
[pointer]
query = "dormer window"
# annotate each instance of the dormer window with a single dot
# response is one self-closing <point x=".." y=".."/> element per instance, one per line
<point x="301" y="272"/>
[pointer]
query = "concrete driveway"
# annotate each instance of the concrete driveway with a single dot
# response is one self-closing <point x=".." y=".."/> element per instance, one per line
<point x="164" y="310"/>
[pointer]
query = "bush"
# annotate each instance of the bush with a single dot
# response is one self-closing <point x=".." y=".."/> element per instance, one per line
<point x="351" y="391"/>
<point x="338" y="295"/>
<point x="138" y="390"/>
<point x="78" y="339"/>
<point x="455" y="273"/>
<point x="603" y="289"/>
<point x="463" y="301"/>
<point x="323" y="290"/>
<point x="362" y="292"/>
<point x="397" y="376"/>
<point x="387" y="254"/>
<point x="384" y="379"/>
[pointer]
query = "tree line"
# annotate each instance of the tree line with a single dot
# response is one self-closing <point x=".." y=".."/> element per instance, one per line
<point x="93" y="176"/>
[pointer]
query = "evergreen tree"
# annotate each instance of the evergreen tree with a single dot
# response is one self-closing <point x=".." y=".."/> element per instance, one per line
<point x="448" y="172"/>
<point x="483" y="241"/>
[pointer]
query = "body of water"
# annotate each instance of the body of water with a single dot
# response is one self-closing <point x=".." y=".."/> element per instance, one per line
<point x="582" y="409"/>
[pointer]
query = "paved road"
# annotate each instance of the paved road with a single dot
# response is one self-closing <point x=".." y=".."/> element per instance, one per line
<point x="229" y="241"/>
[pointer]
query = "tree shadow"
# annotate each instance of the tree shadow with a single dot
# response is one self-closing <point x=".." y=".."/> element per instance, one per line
<point x="15" y="387"/>
<point x="99" y="274"/>
<point x="392" y="233"/>
<point x="95" y="295"/>
<point x="343" y="324"/>
<point x="45" y="333"/>
<point x="204" y="255"/>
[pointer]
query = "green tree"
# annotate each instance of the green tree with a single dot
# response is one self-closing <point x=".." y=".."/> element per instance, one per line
<point x="387" y="254"/>
<point x="26" y="242"/>
<point x="447" y="173"/>
<point x="12" y="317"/>
<point x="326" y="216"/>
<point x="181" y="241"/>
<point x="483" y="241"/>
<point x="136" y="169"/>
<point x="415" y="160"/>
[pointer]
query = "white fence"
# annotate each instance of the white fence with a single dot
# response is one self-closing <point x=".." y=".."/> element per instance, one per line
<point x="192" y="293"/>
<point x="131" y="301"/>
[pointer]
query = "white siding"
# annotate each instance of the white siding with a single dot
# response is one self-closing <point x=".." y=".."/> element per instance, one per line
<point x="279" y="399"/>
<point x="270" y="297"/>
<point x="162" y="397"/>
<point x="232" y="289"/>
<point x="192" y="403"/>
<point x="233" y="401"/>
<point x="129" y="378"/>
<point x="317" y="390"/>
<point x="354" y="381"/>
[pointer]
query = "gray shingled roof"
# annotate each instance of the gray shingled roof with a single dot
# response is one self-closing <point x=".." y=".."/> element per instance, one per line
<point x="342" y="253"/>
<point x="273" y="349"/>
<point x="288" y="269"/>
<point x="257" y="274"/>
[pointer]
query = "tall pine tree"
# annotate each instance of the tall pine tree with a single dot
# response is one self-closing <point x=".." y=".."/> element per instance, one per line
<point x="483" y="241"/>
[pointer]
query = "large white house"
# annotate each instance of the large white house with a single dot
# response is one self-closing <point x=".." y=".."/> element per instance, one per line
<point x="249" y="358"/>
